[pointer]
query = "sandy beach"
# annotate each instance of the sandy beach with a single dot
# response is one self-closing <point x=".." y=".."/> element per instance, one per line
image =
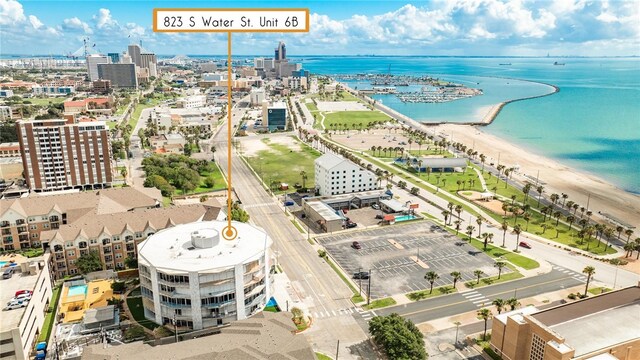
<point x="558" y="178"/>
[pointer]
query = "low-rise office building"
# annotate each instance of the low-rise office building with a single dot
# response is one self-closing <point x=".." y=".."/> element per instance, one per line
<point x="275" y="115"/>
<point x="191" y="275"/>
<point x="599" y="327"/>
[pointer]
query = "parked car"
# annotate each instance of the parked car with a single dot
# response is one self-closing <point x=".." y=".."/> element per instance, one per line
<point x="22" y="297"/>
<point x="361" y="275"/>
<point x="15" y="304"/>
<point x="8" y="273"/>
<point x="379" y="216"/>
<point x="375" y="206"/>
<point x="351" y="225"/>
<point x="288" y="203"/>
<point x="525" y="245"/>
<point x="356" y="245"/>
<point x="20" y="292"/>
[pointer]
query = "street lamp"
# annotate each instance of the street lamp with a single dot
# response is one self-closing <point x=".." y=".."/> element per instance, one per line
<point x="175" y="327"/>
<point x="457" y="323"/>
<point x="369" y="288"/>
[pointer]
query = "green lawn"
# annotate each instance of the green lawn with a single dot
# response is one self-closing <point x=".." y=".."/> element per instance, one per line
<point x="218" y="181"/>
<point x="353" y="118"/>
<point x="46" y="101"/>
<point x="498" y="252"/>
<point x="137" y="310"/>
<point x="282" y="164"/>
<point x="598" y="290"/>
<point x="425" y="294"/>
<point x="311" y="106"/>
<point x="380" y="303"/>
<point x="494" y="280"/>
<point x="49" y="318"/>
<point x="322" y="356"/>
<point x="449" y="180"/>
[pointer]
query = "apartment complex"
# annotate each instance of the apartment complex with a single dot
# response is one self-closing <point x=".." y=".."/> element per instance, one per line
<point x="121" y="75"/>
<point x="603" y="327"/>
<point x="115" y="236"/>
<point x="190" y="274"/>
<point x="58" y="155"/>
<point x="20" y="328"/>
<point x="336" y="175"/>
<point x="22" y="220"/>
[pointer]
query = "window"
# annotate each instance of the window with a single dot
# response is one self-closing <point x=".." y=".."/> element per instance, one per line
<point x="537" y="348"/>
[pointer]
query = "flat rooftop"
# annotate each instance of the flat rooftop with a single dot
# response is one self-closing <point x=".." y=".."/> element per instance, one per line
<point x="581" y="323"/>
<point x="19" y="281"/>
<point x="324" y="210"/>
<point x="172" y="249"/>
<point x="587" y="334"/>
<point x="263" y="336"/>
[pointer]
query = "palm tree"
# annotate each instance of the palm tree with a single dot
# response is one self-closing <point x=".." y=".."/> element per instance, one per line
<point x="499" y="304"/>
<point x="470" y="229"/>
<point x="445" y="214"/>
<point x="500" y="265"/>
<point x="458" y="210"/>
<point x="485" y="315"/>
<point x="479" y="221"/>
<point x="526" y="216"/>
<point x="457" y="222"/>
<point x="455" y="276"/>
<point x="478" y="274"/>
<point x="431" y="277"/>
<point x="525" y="189"/>
<point x="505" y="227"/>
<point x="513" y="303"/>
<point x="628" y="248"/>
<point x="539" y="189"/>
<point x="589" y="270"/>
<point x="517" y="230"/>
<point x="304" y="178"/>
<point x="628" y="232"/>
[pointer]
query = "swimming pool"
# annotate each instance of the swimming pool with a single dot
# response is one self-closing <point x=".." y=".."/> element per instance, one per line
<point x="402" y="218"/>
<point x="77" y="290"/>
<point x="2" y="263"/>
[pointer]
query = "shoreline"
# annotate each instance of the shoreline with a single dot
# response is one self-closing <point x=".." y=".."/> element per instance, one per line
<point x="581" y="187"/>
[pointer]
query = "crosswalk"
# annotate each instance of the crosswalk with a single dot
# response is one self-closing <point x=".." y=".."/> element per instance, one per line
<point x="332" y="313"/>
<point x="257" y="205"/>
<point x="366" y="315"/>
<point x="476" y="298"/>
<point x="573" y="274"/>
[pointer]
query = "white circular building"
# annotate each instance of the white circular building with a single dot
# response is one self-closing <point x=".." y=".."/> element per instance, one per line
<point x="190" y="273"/>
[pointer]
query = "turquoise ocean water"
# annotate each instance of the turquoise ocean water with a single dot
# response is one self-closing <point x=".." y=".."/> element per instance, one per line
<point x="592" y="124"/>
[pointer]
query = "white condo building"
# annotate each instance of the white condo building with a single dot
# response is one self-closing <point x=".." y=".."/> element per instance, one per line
<point x="92" y="65"/>
<point x="190" y="273"/>
<point x="192" y="102"/>
<point x="336" y="175"/>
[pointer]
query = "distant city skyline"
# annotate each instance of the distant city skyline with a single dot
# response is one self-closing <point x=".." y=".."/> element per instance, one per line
<point x="442" y="28"/>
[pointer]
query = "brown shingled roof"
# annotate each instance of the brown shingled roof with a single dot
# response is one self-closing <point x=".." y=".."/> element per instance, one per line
<point x="134" y="221"/>
<point x="78" y="204"/>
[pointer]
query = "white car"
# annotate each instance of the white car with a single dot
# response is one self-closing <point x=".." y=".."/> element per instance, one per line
<point x="15" y="304"/>
<point x="22" y="297"/>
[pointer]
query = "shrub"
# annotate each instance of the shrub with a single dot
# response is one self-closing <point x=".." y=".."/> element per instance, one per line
<point x="134" y="332"/>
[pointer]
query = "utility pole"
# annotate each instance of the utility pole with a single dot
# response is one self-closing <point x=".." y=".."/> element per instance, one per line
<point x="360" y="280"/>
<point x="175" y="327"/>
<point x="369" y="289"/>
<point x="337" y="349"/>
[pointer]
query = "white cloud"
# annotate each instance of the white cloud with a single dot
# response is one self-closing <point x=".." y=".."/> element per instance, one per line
<point x="11" y="12"/>
<point x="35" y="22"/>
<point x="76" y="24"/>
<point x="103" y="19"/>
<point x="479" y="32"/>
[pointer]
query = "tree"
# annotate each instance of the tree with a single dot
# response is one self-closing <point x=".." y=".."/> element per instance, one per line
<point x="479" y="221"/>
<point x="445" y="214"/>
<point x="304" y="176"/>
<point x="517" y="230"/>
<point x="209" y="181"/>
<point x="134" y="332"/>
<point x="123" y="172"/>
<point x="89" y="263"/>
<point x="484" y="314"/>
<point x="470" y="229"/>
<point x="590" y="271"/>
<point x="499" y="304"/>
<point x="399" y="338"/>
<point x="131" y="262"/>
<point x="505" y="227"/>
<point x="239" y="214"/>
<point x="455" y="276"/>
<point x="513" y="303"/>
<point x="118" y="286"/>
<point x="431" y="277"/>
<point x="478" y="274"/>
<point x="414" y="191"/>
<point x="500" y="265"/>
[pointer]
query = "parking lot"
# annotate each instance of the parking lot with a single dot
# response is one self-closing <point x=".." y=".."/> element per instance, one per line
<point x="399" y="256"/>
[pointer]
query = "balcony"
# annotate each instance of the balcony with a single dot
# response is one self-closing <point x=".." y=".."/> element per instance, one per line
<point x="106" y="250"/>
<point x="54" y="219"/>
<point x="4" y="224"/>
<point x="20" y="222"/>
<point x="23" y="238"/>
<point x="6" y="231"/>
<point x="22" y="229"/>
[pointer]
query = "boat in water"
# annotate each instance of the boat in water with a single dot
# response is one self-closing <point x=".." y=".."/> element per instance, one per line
<point x="557" y="63"/>
<point x="505" y="64"/>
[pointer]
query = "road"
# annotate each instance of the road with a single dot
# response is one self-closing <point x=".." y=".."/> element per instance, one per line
<point x="312" y="280"/>
<point x="458" y="303"/>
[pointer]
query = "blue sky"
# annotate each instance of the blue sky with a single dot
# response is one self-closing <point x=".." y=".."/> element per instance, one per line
<point x="439" y="27"/>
